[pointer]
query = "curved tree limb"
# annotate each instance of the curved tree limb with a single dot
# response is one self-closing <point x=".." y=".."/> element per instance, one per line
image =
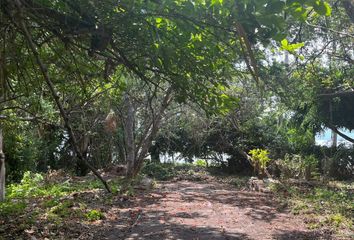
<point x="55" y="95"/>
<point x="334" y="129"/>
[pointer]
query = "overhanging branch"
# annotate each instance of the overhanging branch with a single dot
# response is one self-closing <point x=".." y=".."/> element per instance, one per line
<point x="334" y="129"/>
<point x="337" y="94"/>
<point x="54" y="93"/>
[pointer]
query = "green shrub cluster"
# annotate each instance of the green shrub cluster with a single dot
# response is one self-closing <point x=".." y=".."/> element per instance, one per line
<point x="327" y="205"/>
<point x="340" y="165"/>
<point x="94" y="215"/>
<point x="200" y="163"/>
<point x="298" y="166"/>
<point x="159" y="171"/>
<point x="33" y="185"/>
<point x="260" y="160"/>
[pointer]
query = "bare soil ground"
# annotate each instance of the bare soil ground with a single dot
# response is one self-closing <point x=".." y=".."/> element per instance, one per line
<point x="197" y="210"/>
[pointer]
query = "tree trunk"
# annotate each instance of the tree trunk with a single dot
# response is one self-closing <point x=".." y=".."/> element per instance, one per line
<point x="334" y="134"/>
<point x="334" y="139"/>
<point x="2" y="97"/>
<point x="155" y="154"/>
<point x="2" y="169"/>
<point x="82" y="168"/>
<point x="151" y="134"/>
<point x="129" y="137"/>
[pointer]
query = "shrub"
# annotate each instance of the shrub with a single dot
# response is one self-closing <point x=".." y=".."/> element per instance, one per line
<point x="94" y="215"/>
<point x="159" y="171"/>
<point x="12" y="208"/>
<point x="63" y="209"/>
<point x="341" y="165"/>
<point x="200" y="163"/>
<point x="30" y="185"/>
<point x="298" y="166"/>
<point x="310" y="166"/>
<point x="260" y="160"/>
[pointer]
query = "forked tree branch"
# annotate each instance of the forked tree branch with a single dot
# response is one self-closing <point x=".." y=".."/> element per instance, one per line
<point x="55" y="95"/>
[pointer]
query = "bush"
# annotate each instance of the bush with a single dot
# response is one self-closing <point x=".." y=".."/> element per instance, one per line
<point x="297" y="166"/>
<point x="31" y="185"/>
<point x="159" y="171"/>
<point x="12" y="208"/>
<point x="327" y="205"/>
<point x="34" y="185"/>
<point x="94" y="215"/>
<point x="341" y="165"/>
<point x="260" y="160"/>
<point x="200" y="163"/>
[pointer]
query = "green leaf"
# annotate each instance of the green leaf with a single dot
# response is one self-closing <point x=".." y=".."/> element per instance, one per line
<point x="290" y="47"/>
<point x="196" y="37"/>
<point x="158" y="22"/>
<point x="322" y="8"/>
<point x="216" y="2"/>
<point x="284" y="42"/>
<point x="328" y="9"/>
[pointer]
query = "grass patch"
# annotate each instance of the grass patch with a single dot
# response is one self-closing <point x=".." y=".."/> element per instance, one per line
<point x="9" y="208"/>
<point x="48" y="206"/>
<point x="323" y="205"/>
<point x="63" y="209"/>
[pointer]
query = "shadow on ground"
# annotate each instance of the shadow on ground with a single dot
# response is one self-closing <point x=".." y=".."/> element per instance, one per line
<point x="189" y="210"/>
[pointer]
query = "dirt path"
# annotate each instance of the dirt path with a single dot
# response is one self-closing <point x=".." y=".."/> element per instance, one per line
<point x="191" y="210"/>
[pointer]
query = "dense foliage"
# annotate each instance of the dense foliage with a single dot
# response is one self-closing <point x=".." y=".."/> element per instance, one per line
<point x="115" y="82"/>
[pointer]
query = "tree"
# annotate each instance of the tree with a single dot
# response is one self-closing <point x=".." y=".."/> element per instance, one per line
<point x="193" y="47"/>
<point x="2" y="169"/>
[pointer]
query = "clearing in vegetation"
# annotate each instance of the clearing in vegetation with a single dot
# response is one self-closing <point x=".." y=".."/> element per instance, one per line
<point x="193" y="205"/>
<point x="225" y="87"/>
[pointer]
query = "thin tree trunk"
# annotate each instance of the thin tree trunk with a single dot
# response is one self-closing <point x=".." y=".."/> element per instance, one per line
<point x="2" y="169"/>
<point x="84" y="142"/>
<point x="129" y="137"/>
<point x="147" y="140"/>
<point x="51" y="87"/>
<point x="3" y="97"/>
<point x="334" y="134"/>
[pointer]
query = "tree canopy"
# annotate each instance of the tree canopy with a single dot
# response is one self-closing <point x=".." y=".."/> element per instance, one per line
<point x="69" y="67"/>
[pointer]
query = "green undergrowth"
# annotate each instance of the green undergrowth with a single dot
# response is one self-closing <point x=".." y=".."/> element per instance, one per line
<point x="33" y="185"/>
<point x="197" y="171"/>
<point x="94" y="215"/>
<point x="328" y="205"/>
<point x="168" y="171"/>
<point x="38" y="201"/>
